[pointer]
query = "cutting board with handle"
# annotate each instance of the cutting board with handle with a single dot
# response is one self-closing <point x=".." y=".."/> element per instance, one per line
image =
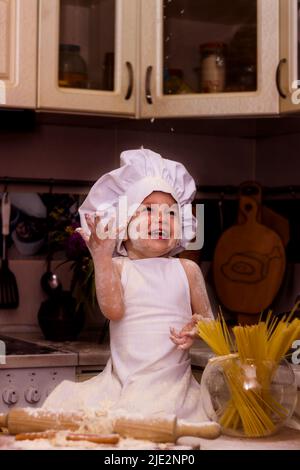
<point x="249" y="263"/>
<point x="265" y="215"/>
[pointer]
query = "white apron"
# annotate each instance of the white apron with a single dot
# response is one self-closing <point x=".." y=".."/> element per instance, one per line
<point x="146" y="373"/>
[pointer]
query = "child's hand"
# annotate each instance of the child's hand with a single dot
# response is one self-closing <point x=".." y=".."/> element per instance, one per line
<point x="185" y="337"/>
<point x="104" y="245"/>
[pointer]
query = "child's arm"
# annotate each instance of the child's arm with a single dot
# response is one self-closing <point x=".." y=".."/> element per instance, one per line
<point x="107" y="272"/>
<point x="199" y="299"/>
<point x="199" y="302"/>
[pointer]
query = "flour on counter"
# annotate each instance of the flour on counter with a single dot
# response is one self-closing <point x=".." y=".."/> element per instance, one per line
<point x="59" y="442"/>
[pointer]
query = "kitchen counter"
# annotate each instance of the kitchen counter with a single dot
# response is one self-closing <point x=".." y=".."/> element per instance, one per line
<point x="90" y="352"/>
<point x="286" y="439"/>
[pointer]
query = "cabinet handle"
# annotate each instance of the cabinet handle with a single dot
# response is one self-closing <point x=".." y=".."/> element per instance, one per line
<point x="278" y="76"/>
<point x="147" y="85"/>
<point x="130" y="84"/>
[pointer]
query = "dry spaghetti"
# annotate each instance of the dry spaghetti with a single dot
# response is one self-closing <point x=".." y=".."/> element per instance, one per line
<point x="249" y="372"/>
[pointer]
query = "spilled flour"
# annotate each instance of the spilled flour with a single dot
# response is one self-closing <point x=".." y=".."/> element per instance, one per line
<point x="90" y="421"/>
<point x="59" y="442"/>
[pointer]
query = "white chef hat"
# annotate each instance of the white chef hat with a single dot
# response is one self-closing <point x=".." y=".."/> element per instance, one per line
<point x="141" y="172"/>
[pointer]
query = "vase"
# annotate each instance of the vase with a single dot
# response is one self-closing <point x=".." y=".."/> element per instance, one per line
<point x="60" y="318"/>
<point x="248" y="398"/>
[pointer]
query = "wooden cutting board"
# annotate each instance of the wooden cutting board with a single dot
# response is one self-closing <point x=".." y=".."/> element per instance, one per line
<point x="249" y="263"/>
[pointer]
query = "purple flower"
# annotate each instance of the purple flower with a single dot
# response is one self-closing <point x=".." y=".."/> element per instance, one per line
<point x="75" y="246"/>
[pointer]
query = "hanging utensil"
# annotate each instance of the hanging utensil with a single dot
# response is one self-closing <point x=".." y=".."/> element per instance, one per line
<point x="9" y="294"/>
<point x="50" y="282"/>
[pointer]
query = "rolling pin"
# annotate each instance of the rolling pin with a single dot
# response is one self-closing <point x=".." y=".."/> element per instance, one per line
<point x="156" y="429"/>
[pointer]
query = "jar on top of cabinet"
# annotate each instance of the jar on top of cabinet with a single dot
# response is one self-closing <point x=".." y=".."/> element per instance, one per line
<point x="72" y="67"/>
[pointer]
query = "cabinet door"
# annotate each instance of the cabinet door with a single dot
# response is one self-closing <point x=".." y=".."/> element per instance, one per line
<point x="209" y="57"/>
<point x="87" y="56"/>
<point x="288" y="73"/>
<point x="18" y="45"/>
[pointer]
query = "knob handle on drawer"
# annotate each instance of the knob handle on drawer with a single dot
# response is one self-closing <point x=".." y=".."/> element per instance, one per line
<point x="10" y="396"/>
<point x="32" y="395"/>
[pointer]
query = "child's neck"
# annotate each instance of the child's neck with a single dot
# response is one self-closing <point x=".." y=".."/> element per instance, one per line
<point x="136" y="250"/>
<point x="135" y="254"/>
<point x="146" y="257"/>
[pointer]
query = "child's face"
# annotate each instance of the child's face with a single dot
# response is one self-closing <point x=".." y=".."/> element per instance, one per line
<point x="153" y="230"/>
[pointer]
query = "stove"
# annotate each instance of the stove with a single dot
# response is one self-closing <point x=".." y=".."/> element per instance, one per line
<point x="29" y="372"/>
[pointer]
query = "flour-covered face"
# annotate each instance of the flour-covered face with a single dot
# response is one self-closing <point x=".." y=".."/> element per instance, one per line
<point x="154" y="229"/>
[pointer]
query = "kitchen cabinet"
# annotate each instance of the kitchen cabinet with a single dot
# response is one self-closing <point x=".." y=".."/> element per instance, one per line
<point x="87" y="56"/>
<point x="160" y="58"/>
<point x="151" y="58"/>
<point x="18" y="49"/>
<point x="181" y="62"/>
<point x="288" y="75"/>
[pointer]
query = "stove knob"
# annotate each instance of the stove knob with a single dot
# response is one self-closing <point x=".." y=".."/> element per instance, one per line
<point x="32" y="395"/>
<point x="10" y="396"/>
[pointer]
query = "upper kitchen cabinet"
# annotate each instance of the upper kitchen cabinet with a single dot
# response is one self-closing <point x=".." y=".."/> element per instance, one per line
<point x="209" y="57"/>
<point x="288" y="74"/>
<point x="87" y="56"/>
<point x="153" y="58"/>
<point x="18" y="51"/>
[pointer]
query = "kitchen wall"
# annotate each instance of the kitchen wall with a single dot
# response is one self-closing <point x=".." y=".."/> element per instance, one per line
<point x="63" y="151"/>
<point x="278" y="164"/>
<point x="86" y="153"/>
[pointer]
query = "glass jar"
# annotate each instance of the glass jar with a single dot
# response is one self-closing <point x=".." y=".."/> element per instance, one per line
<point x="72" y="67"/>
<point x="174" y="83"/>
<point x="212" y="68"/>
<point x="248" y="399"/>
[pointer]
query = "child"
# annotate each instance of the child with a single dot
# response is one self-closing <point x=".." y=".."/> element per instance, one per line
<point x="143" y="292"/>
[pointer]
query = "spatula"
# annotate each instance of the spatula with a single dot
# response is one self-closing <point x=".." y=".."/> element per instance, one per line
<point x="9" y="295"/>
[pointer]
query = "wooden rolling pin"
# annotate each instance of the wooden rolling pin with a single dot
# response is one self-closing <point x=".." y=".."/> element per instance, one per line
<point x="156" y="429"/>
